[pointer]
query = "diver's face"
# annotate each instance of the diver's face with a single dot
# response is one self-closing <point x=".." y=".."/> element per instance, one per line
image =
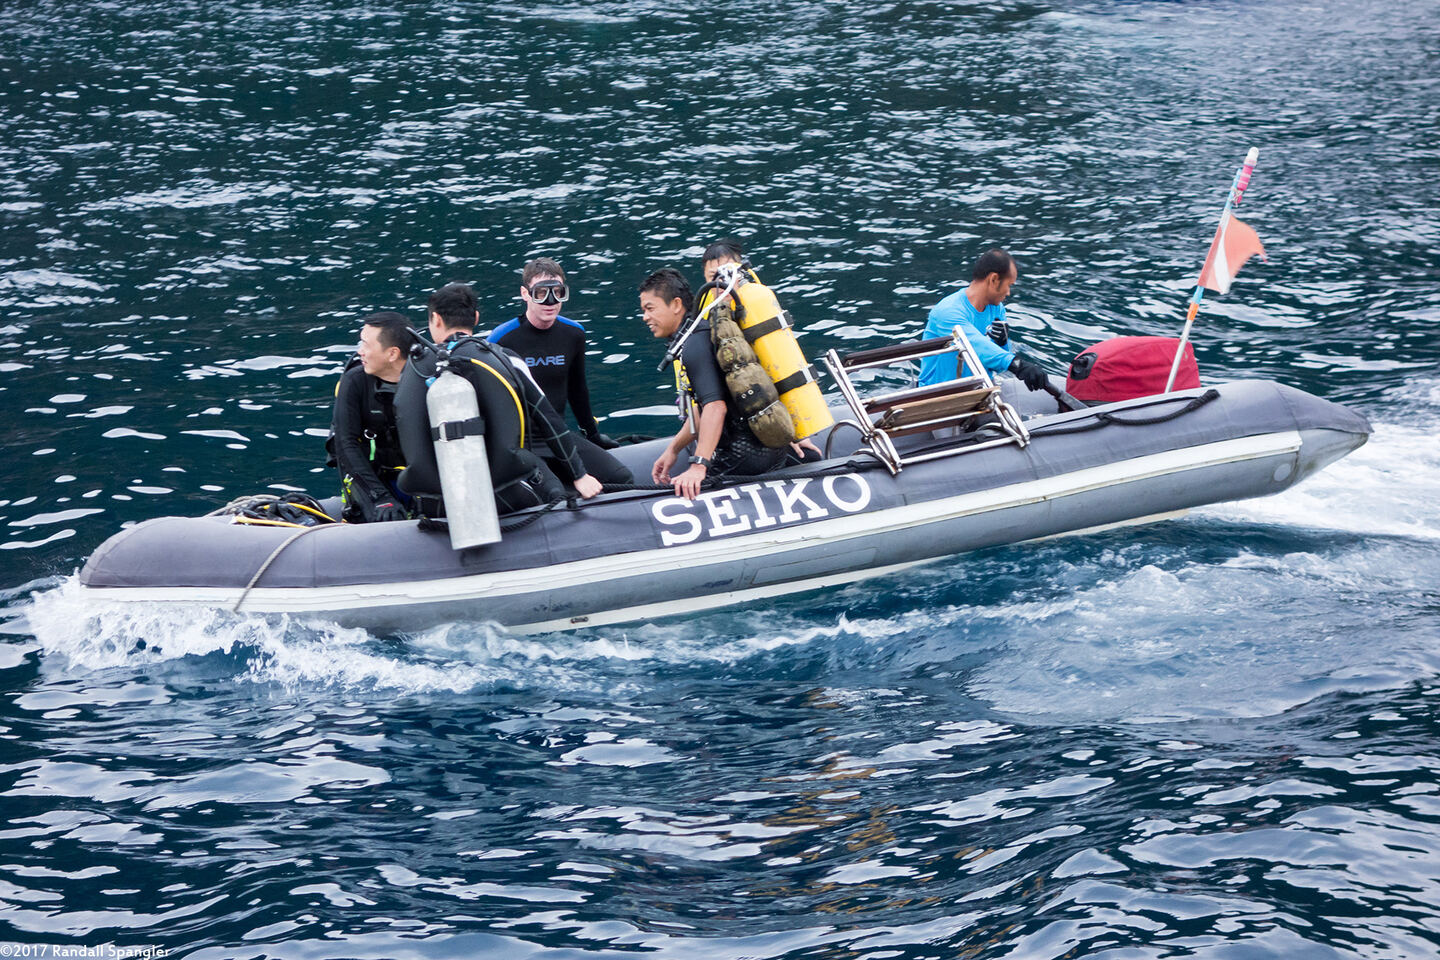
<point x="713" y="266"/>
<point x="378" y="360"/>
<point x="542" y="314"/>
<point x="661" y="317"/>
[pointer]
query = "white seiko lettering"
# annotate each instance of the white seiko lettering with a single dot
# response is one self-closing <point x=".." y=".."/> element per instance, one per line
<point x="762" y="519"/>
<point x="792" y="492"/>
<point x="722" y="512"/>
<point x="861" y="500"/>
<point x="662" y="512"/>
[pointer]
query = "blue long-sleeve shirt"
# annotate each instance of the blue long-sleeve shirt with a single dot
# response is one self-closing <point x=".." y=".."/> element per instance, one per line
<point x="954" y="311"/>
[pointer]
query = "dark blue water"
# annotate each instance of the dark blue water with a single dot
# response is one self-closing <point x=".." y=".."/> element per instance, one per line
<point x="1215" y="737"/>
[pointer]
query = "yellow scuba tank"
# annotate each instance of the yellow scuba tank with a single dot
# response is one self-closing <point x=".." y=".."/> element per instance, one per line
<point x="749" y="385"/>
<point x="767" y="327"/>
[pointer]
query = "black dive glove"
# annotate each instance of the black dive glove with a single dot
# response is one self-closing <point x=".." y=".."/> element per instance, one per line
<point x="602" y="441"/>
<point x="999" y="332"/>
<point x="1031" y="374"/>
<point x="386" y="512"/>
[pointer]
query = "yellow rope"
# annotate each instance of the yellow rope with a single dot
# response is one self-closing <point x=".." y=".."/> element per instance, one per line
<point x="311" y="510"/>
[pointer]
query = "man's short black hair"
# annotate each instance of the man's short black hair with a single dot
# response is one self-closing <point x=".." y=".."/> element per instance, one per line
<point x="456" y="306"/>
<point x="726" y="248"/>
<point x="394" y="329"/>
<point x="991" y="261"/>
<point x="667" y="283"/>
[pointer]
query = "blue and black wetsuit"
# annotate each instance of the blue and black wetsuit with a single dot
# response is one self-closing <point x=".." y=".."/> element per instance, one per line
<point x="556" y="358"/>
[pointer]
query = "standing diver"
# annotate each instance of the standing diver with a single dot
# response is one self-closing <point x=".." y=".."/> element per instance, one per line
<point x="510" y="407"/>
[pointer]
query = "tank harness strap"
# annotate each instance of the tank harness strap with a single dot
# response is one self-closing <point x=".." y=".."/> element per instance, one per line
<point x="519" y="407"/>
<point x="780" y="321"/>
<point x="799" y="378"/>
<point x="455" y="429"/>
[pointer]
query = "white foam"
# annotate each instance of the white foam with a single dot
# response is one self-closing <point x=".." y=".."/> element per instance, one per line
<point x="1389" y="487"/>
<point x="1252" y="635"/>
<point x="94" y="635"/>
<point x="668" y="643"/>
<point x="85" y="634"/>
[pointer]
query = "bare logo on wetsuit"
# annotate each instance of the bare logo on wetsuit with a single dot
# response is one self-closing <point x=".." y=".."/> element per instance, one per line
<point x="756" y="506"/>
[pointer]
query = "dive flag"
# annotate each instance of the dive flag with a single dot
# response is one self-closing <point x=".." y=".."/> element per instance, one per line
<point x="1234" y="243"/>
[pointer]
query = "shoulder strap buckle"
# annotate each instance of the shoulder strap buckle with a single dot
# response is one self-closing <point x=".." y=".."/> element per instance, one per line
<point x="456" y="429"/>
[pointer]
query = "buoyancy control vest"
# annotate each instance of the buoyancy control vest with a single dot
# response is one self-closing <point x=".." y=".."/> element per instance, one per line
<point x="502" y="408"/>
<point x="767" y="329"/>
<point x="377" y="424"/>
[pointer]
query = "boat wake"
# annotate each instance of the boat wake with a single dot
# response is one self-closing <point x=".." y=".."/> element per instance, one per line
<point x="1244" y="609"/>
<point x="84" y="634"/>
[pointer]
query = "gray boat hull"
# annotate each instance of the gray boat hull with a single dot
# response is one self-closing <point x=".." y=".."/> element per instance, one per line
<point x="640" y="556"/>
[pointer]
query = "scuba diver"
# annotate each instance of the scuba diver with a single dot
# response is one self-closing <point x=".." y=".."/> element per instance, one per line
<point x="363" y="443"/>
<point x="511" y="406"/>
<point x="724" y="442"/>
<point x="722" y="251"/>
<point x="768" y="329"/>
<point x="979" y="310"/>
<point x="554" y="348"/>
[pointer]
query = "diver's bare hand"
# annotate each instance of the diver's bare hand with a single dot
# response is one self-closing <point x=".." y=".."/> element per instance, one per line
<point x="587" y="486"/>
<point x="687" y="485"/>
<point x="660" y="472"/>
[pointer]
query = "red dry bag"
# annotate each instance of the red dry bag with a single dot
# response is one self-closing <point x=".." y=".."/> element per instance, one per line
<point x="1124" y="368"/>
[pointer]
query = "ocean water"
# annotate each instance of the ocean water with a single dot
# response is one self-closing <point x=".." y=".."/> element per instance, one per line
<point x="1214" y="737"/>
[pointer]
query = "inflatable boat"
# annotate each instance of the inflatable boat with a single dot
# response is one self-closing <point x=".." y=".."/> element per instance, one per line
<point x="910" y="476"/>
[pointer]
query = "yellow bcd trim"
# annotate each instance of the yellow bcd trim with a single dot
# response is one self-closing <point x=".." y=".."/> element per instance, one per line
<point x="519" y="407"/>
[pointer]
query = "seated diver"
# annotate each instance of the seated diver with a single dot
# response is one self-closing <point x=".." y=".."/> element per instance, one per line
<point x="363" y="441"/>
<point x="724" y="252"/>
<point x="553" y="347"/>
<point x="510" y="405"/>
<point x="723" y="443"/>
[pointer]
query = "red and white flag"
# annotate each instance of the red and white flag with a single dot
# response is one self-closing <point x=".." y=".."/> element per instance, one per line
<point x="1234" y="243"/>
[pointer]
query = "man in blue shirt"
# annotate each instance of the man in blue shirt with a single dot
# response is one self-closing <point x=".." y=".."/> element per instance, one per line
<point x="979" y="311"/>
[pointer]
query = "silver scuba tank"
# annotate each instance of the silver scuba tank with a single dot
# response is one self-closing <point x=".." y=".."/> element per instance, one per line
<point x="463" y="467"/>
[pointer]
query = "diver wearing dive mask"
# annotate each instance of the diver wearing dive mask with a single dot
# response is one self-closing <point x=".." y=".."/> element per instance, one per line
<point x="554" y="350"/>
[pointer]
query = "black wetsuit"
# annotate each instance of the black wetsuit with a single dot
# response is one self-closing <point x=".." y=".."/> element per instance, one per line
<point x="738" y="452"/>
<point x="512" y="409"/>
<point x="365" y="444"/>
<point x="556" y="357"/>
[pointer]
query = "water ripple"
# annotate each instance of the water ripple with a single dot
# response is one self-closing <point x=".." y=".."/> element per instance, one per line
<point x="1209" y="738"/>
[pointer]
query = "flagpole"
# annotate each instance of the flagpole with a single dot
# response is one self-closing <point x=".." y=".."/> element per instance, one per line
<point x="1237" y="189"/>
